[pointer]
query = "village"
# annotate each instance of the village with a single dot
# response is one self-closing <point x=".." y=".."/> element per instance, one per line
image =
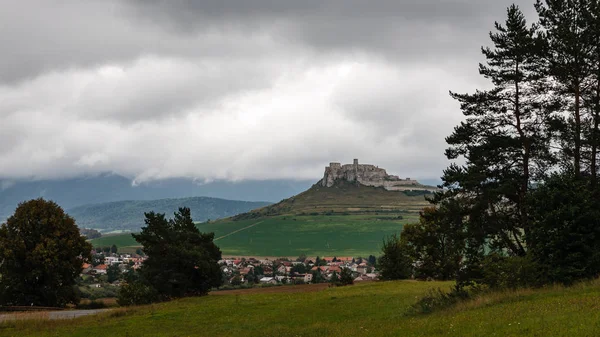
<point x="110" y="269"/>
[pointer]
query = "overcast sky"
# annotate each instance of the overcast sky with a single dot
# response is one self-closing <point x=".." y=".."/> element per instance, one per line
<point x="238" y="89"/>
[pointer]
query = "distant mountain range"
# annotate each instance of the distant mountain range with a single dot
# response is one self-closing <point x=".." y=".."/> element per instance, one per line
<point x="70" y="193"/>
<point x="129" y="215"/>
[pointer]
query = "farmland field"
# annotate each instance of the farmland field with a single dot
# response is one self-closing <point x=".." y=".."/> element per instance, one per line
<point x="367" y="309"/>
<point x="323" y="235"/>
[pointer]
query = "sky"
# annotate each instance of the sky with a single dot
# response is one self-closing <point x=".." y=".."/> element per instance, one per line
<point x="234" y="89"/>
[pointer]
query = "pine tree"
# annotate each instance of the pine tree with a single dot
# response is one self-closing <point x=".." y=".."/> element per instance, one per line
<point x="504" y="139"/>
<point x="181" y="260"/>
<point x="567" y="30"/>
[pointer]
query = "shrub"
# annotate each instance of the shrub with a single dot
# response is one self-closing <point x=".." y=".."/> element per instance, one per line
<point x="436" y="299"/>
<point x="92" y="305"/>
<point x="136" y="293"/>
<point x="395" y="263"/>
<point x="501" y="272"/>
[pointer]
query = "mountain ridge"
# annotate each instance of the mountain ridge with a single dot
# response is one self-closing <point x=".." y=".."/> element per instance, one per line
<point x="128" y="215"/>
<point x="74" y="192"/>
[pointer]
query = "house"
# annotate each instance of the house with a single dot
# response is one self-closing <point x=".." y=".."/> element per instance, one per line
<point x="281" y="269"/>
<point x="322" y="269"/>
<point x="280" y="278"/>
<point x="268" y="280"/>
<point x="372" y="276"/>
<point x="111" y="260"/>
<point x="101" y="269"/>
<point x="86" y="268"/>
<point x="246" y="271"/>
<point x="307" y="278"/>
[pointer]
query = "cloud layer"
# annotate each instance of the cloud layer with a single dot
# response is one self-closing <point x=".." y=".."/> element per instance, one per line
<point x="234" y="89"/>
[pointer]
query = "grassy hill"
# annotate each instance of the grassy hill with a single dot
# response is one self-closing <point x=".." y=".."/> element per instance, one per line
<point x="344" y="198"/>
<point x="368" y="309"/>
<point x="129" y="215"/>
<point x="344" y="220"/>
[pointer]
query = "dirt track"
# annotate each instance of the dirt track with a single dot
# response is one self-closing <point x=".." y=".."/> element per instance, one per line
<point x="51" y="315"/>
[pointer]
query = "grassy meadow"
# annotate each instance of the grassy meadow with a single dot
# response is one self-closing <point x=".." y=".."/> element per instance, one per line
<point x="367" y="309"/>
<point x="312" y="235"/>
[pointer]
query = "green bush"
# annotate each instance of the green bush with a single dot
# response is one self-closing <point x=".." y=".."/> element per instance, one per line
<point x="501" y="272"/>
<point x="92" y="305"/>
<point x="136" y="293"/>
<point x="437" y="299"/>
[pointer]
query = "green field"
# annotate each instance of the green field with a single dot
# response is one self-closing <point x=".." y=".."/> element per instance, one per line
<point x="368" y="309"/>
<point x="334" y="235"/>
<point x="344" y="220"/>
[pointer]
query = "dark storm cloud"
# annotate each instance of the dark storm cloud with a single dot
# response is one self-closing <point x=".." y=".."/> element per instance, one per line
<point x="407" y="28"/>
<point x="248" y="89"/>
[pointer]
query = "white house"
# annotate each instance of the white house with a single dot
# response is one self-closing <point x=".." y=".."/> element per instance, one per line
<point x="268" y="280"/>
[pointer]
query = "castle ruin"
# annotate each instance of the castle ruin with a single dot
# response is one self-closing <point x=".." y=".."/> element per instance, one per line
<point x="368" y="175"/>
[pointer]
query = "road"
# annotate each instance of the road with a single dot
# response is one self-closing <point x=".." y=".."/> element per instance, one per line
<point x="62" y="314"/>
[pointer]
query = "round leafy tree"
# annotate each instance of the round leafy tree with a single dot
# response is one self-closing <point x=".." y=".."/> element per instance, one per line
<point x="41" y="255"/>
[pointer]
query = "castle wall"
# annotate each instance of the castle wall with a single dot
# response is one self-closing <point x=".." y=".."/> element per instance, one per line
<point x="368" y="175"/>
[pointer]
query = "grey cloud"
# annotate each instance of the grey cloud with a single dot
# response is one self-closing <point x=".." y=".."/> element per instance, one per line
<point x="234" y="89"/>
<point x="40" y="36"/>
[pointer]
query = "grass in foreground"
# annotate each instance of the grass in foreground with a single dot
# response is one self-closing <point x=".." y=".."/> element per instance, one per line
<point x="368" y="309"/>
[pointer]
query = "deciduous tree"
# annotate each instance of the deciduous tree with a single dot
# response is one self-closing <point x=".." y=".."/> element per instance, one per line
<point x="41" y="256"/>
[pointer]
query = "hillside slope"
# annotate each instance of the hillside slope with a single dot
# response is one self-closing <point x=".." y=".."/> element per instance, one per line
<point x="344" y="198"/>
<point x="129" y="215"/>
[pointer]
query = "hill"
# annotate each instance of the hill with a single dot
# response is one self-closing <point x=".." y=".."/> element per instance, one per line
<point x="129" y="215"/>
<point x="347" y="219"/>
<point x="345" y="198"/>
<point x="70" y="193"/>
<point x="367" y="309"/>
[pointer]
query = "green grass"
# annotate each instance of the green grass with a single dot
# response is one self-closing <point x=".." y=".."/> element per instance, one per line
<point x="336" y="235"/>
<point x="368" y="309"/>
<point x="343" y="197"/>
<point x="123" y="241"/>
<point x="343" y="220"/>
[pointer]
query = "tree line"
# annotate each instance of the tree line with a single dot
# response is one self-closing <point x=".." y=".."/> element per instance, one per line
<point x="520" y="204"/>
<point x="42" y="253"/>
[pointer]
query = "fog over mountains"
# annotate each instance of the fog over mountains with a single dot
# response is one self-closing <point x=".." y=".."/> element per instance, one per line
<point x="75" y="192"/>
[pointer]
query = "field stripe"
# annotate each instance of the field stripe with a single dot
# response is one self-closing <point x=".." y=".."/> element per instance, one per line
<point x="238" y="230"/>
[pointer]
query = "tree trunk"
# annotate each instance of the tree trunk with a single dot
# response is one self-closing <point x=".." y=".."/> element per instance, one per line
<point x="577" y="150"/>
<point x="596" y="114"/>
<point x="526" y="148"/>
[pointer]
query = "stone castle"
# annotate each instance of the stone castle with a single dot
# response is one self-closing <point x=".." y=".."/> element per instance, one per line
<point x="369" y="175"/>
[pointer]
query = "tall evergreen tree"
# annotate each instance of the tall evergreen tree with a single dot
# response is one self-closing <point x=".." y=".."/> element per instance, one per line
<point x="567" y="29"/>
<point x="591" y="95"/>
<point x="503" y="139"/>
<point x="181" y="260"/>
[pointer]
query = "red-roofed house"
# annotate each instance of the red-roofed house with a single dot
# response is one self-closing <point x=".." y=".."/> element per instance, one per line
<point x="100" y="269"/>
